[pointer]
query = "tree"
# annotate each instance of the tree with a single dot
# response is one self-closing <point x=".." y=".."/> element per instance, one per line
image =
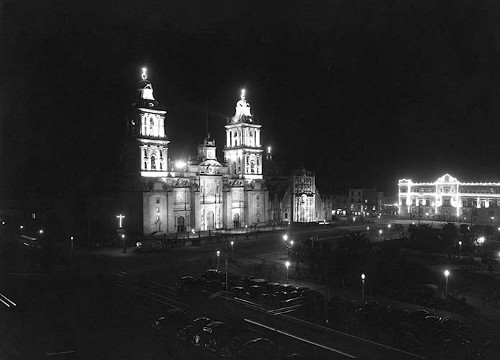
<point x="448" y="237"/>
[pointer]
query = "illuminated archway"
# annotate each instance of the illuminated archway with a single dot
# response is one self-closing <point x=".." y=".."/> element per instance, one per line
<point x="180" y="224"/>
<point x="236" y="220"/>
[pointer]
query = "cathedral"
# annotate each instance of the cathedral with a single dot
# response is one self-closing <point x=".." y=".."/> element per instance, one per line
<point x="202" y="193"/>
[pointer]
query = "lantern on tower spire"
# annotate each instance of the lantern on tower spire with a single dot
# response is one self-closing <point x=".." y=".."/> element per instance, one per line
<point x="242" y="109"/>
<point x="144" y="75"/>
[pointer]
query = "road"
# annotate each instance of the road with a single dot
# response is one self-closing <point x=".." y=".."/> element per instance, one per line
<point x="105" y="309"/>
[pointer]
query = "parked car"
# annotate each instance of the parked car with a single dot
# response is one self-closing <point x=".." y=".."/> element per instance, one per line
<point x="269" y="300"/>
<point x="212" y="274"/>
<point x="257" y="349"/>
<point x="189" y="283"/>
<point x="213" y="286"/>
<point x="191" y="332"/>
<point x="271" y="288"/>
<point x="255" y="291"/>
<point x="170" y="321"/>
<point x="222" y="338"/>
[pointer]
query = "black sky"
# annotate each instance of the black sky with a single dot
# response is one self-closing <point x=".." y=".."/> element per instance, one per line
<point x="362" y="92"/>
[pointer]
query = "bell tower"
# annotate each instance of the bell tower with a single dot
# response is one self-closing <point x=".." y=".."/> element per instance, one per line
<point x="148" y="129"/>
<point x="243" y="150"/>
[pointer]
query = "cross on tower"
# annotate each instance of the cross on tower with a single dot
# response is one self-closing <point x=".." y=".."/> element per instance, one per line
<point x="120" y="219"/>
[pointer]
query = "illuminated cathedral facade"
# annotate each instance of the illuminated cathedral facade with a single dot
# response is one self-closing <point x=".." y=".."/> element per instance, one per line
<point x="200" y="194"/>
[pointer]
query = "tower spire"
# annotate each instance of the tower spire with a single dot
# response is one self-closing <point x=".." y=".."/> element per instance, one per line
<point x="242" y="109"/>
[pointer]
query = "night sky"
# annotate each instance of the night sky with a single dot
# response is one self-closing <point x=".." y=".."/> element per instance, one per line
<point x="362" y="92"/>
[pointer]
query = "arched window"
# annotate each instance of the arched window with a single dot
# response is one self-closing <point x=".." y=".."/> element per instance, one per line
<point x="252" y="167"/>
<point x="151" y="126"/>
<point x="153" y="163"/>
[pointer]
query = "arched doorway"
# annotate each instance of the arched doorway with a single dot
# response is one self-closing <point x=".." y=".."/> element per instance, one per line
<point x="210" y="220"/>
<point x="180" y="224"/>
<point x="236" y="220"/>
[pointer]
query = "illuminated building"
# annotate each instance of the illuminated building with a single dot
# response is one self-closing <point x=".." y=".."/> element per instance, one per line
<point x="449" y="199"/>
<point x="200" y="194"/>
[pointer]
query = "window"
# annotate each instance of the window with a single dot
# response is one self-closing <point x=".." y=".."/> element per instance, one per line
<point x="157" y="209"/>
<point x="286" y="215"/>
<point x="33" y="216"/>
<point x="153" y="163"/>
<point x="157" y="200"/>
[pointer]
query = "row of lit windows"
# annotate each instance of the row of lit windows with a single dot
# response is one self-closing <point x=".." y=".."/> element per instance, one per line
<point x="462" y="190"/>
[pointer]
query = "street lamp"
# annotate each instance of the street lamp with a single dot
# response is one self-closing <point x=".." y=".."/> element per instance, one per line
<point x="367" y="228"/>
<point x="446" y="274"/>
<point x="287" y="265"/>
<point x="380" y="233"/>
<point x="71" y="238"/>
<point x="291" y="242"/>
<point x="232" y="249"/>
<point x="363" y="277"/>
<point x="481" y="241"/>
<point x="40" y="231"/>
<point x="285" y="237"/>
<point x="124" y="244"/>
<point x="460" y="249"/>
<point x="389" y="226"/>
<point x="218" y="256"/>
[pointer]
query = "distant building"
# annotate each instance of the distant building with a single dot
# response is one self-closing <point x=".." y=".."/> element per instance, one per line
<point x="448" y="199"/>
<point x="364" y="202"/>
<point x="201" y="194"/>
<point x="295" y="198"/>
<point x="339" y="205"/>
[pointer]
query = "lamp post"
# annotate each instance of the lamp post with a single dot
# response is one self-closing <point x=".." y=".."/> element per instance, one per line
<point x="124" y="244"/>
<point x="287" y="265"/>
<point x="481" y="241"/>
<point x="218" y="256"/>
<point x="227" y="283"/>
<point x="460" y="249"/>
<point x="71" y="238"/>
<point x="232" y="249"/>
<point x="446" y="274"/>
<point x="363" y="277"/>
<point x="380" y="233"/>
